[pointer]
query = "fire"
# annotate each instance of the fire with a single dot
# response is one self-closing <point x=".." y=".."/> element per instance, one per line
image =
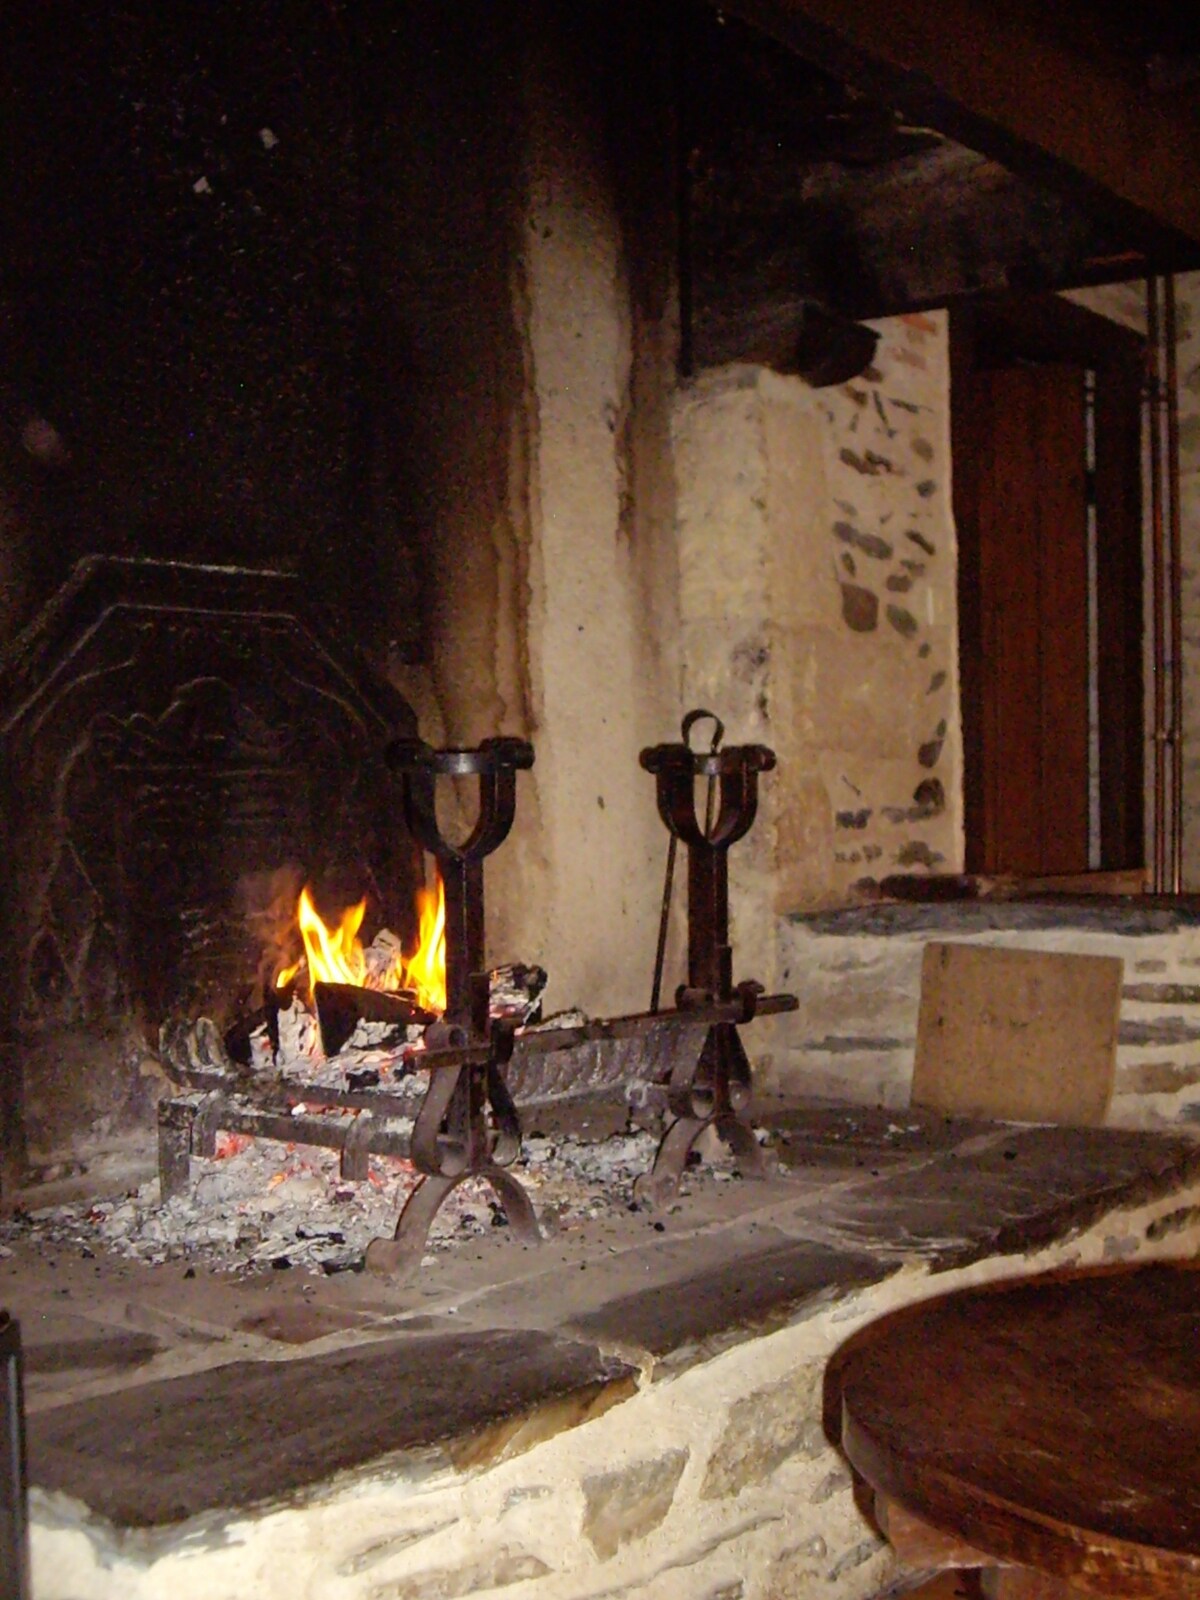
<point x="336" y="955"/>
<point x="425" y="971"/>
<point x="331" y="956"/>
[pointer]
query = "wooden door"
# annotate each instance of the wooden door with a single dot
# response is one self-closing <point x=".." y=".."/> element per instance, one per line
<point x="1031" y="473"/>
<point x="1050" y="637"/>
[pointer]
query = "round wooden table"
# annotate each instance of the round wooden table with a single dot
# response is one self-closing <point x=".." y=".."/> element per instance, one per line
<point x="1048" y="1429"/>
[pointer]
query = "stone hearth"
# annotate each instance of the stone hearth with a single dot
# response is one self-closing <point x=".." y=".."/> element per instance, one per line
<point x="635" y="1409"/>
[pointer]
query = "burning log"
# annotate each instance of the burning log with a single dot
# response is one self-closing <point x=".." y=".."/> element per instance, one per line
<point x="239" y="1038"/>
<point x="342" y="1006"/>
<point x="334" y="955"/>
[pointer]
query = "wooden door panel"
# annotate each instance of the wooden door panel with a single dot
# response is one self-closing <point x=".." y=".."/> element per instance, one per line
<point x="1058" y="405"/>
<point x="1018" y="422"/>
<point x="1032" y="565"/>
<point x="1119" y="607"/>
<point x="1010" y="670"/>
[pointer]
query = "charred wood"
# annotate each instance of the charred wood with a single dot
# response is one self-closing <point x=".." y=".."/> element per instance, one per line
<point x="238" y="1038"/>
<point x="342" y="1006"/>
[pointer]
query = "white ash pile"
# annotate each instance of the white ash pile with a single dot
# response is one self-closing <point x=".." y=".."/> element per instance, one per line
<point x="261" y="1206"/>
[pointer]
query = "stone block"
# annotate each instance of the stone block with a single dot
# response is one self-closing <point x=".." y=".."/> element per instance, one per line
<point x="145" y="1457"/>
<point x="378" y="1551"/>
<point x="715" y="1298"/>
<point x="630" y="1502"/>
<point x="878" y="993"/>
<point x="720" y="463"/>
<point x="803" y="585"/>
<point x="489" y="1569"/>
<point x="804" y="833"/>
<point x="748" y="455"/>
<point x="797" y="1571"/>
<point x="727" y="667"/>
<point x="764" y="1430"/>
<point x="838" y="690"/>
<point x="836" y="1482"/>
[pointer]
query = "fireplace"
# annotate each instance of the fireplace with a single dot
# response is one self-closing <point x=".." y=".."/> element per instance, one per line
<point x="325" y="323"/>
<point x="184" y="748"/>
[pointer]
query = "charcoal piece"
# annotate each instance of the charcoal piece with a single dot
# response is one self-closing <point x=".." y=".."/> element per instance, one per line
<point x="343" y="1264"/>
<point x="362" y="1078"/>
<point x="514" y="992"/>
<point x="342" y="1006"/>
<point x="237" y="1039"/>
<point x="193" y="1048"/>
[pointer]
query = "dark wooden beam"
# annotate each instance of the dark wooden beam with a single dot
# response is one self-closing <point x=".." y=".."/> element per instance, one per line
<point x="1006" y="329"/>
<point x="998" y="79"/>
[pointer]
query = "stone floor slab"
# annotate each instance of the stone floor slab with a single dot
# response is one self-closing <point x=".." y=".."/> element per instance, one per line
<point x="259" y="1431"/>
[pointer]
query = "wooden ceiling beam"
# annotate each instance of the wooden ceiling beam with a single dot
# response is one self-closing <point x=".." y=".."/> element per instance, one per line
<point x="1012" y="89"/>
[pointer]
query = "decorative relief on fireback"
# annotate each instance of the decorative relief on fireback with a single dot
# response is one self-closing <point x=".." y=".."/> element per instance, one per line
<point x="230" y="787"/>
<point x="181" y="748"/>
<point x="72" y="967"/>
<point x="210" y="765"/>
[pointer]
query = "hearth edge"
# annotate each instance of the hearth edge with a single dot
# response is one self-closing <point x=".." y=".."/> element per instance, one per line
<point x="409" y="1535"/>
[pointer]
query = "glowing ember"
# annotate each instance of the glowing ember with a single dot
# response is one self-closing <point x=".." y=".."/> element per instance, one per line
<point x="336" y="955"/>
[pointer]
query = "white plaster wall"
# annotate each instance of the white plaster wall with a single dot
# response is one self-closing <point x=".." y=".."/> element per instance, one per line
<point x="578" y="886"/>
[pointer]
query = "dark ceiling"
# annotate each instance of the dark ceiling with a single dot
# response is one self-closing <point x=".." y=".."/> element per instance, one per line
<point x="802" y="188"/>
<point x="1158" y="39"/>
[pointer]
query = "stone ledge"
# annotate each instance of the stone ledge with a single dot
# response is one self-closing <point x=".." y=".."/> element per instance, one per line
<point x="721" y="1482"/>
<point x="260" y="1432"/>
<point x="477" y="1375"/>
<point x="1117" y="914"/>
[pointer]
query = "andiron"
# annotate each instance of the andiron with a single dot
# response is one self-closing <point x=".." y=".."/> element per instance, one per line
<point x="713" y="1091"/>
<point x="467" y="1126"/>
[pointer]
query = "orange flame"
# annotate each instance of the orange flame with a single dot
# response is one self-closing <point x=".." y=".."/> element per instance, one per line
<point x="425" y="972"/>
<point x="331" y="955"/>
<point x="336" y="955"/>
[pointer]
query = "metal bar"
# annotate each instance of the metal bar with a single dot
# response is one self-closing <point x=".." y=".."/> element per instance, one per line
<point x="660" y="951"/>
<point x="384" y="1136"/>
<point x="175" y="1119"/>
<point x="538" y="1041"/>
<point x="1154" y="419"/>
<point x="14" y="1506"/>
<point x="543" y="1040"/>
<point x="463" y="880"/>
<point x="710" y="960"/>
<point x="282" y="1094"/>
<point x="1174" y="583"/>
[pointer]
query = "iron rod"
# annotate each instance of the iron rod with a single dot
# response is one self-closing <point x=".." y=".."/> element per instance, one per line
<point x="1154" y="428"/>
<point x="660" y="953"/>
<point x="1174" y="581"/>
<point x="14" y="1511"/>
